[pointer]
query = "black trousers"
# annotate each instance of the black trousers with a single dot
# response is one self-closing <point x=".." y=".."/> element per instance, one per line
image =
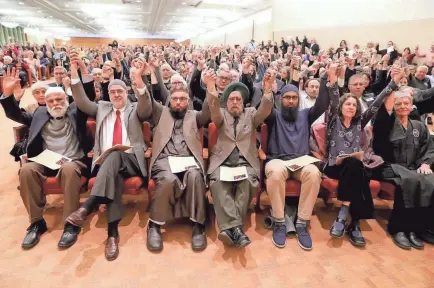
<point x="109" y="183"/>
<point x="409" y="219"/>
<point x="353" y="187"/>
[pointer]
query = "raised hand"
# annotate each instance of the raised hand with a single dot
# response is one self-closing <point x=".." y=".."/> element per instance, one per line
<point x="332" y="73"/>
<point x="10" y="80"/>
<point x="269" y="80"/>
<point x="154" y="63"/>
<point x="397" y="74"/>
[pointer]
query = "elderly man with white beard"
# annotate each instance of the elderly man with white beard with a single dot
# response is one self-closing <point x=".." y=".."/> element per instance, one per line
<point x="58" y="127"/>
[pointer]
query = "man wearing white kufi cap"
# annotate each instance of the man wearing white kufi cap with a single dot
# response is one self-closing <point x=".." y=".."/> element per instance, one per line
<point x="58" y="128"/>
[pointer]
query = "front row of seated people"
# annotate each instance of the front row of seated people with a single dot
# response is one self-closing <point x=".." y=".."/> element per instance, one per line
<point x="59" y="126"/>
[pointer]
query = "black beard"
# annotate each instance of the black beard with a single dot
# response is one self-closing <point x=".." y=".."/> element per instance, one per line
<point x="178" y="114"/>
<point x="289" y="114"/>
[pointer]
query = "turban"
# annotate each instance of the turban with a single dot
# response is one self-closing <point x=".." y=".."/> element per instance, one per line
<point x="236" y="86"/>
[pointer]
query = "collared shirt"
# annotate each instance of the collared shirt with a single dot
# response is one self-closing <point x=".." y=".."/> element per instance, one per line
<point x="107" y="127"/>
<point x="308" y="102"/>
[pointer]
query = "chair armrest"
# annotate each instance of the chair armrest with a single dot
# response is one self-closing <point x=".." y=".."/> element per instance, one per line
<point x="262" y="155"/>
<point x="19" y="132"/>
<point x="205" y="154"/>
<point x="148" y="153"/>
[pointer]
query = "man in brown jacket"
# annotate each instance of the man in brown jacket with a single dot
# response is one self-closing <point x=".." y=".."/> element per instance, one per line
<point x="180" y="192"/>
<point x="235" y="147"/>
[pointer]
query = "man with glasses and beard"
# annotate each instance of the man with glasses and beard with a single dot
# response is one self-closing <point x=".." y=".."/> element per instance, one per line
<point x="288" y="138"/>
<point x="179" y="194"/>
<point x="235" y="148"/>
<point x="118" y="122"/>
<point x="59" y="128"/>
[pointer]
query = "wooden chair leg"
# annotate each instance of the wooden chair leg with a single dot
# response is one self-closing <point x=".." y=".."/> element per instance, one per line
<point x="258" y="201"/>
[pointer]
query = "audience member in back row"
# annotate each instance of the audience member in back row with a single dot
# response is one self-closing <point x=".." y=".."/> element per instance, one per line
<point x="363" y="71"/>
<point x="58" y="127"/>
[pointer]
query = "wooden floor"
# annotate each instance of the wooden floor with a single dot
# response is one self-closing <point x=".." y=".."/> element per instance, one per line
<point x="331" y="263"/>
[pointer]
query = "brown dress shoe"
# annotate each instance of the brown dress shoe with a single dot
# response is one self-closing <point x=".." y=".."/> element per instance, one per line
<point x="112" y="248"/>
<point x="78" y="217"/>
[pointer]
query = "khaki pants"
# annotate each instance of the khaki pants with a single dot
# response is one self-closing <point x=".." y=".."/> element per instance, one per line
<point x="277" y="174"/>
<point x="32" y="177"/>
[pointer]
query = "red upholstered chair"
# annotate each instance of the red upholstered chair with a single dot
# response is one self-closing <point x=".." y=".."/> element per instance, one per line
<point x="132" y="185"/>
<point x="151" y="183"/>
<point x="292" y="187"/>
<point x="1" y="84"/>
<point x="212" y="140"/>
<point x="29" y="77"/>
<point x="329" y="186"/>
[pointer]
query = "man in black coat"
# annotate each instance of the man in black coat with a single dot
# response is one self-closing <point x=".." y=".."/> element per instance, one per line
<point x="58" y="127"/>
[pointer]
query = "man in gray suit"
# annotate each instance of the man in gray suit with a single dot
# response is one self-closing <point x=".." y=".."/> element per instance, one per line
<point x="117" y="122"/>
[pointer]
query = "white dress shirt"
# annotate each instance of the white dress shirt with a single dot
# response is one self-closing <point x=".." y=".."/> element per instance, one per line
<point x="108" y="125"/>
<point x="308" y="102"/>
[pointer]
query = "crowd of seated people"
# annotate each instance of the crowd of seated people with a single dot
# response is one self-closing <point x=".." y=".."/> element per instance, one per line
<point x="371" y="103"/>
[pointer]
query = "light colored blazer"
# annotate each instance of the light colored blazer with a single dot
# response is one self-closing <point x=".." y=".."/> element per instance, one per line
<point x="164" y="121"/>
<point x="249" y="120"/>
<point x="135" y="115"/>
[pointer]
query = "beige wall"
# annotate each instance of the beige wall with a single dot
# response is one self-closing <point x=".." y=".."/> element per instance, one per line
<point x="408" y="33"/>
<point x="98" y="42"/>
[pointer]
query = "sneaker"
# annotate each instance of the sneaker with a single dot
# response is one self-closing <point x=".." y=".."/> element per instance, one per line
<point x="303" y="236"/>
<point x="279" y="234"/>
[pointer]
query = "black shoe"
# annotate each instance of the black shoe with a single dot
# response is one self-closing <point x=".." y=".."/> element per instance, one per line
<point x="34" y="233"/>
<point x="415" y="241"/>
<point x="356" y="241"/>
<point x="427" y="236"/>
<point x="401" y="241"/>
<point x="69" y="236"/>
<point x="338" y="233"/>
<point x="227" y="237"/>
<point x="155" y="240"/>
<point x="198" y="239"/>
<point x="241" y="239"/>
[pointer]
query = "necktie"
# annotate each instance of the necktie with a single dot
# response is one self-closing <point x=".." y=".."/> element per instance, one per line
<point x="235" y="127"/>
<point x="117" y="131"/>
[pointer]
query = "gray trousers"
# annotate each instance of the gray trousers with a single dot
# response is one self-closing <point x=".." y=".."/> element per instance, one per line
<point x="109" y="183"/>
<point x="232" y="199"/>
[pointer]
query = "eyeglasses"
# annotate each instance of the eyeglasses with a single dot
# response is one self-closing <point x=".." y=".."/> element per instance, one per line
<point x="177" y="83"/>
<point x="118" y="92"/>
<point x="290" y="98"/>
<point x="227" y="79"/>
<point x="180" y="99"/>
<point x="58" y="73"/>
<point x="357" y="84"/>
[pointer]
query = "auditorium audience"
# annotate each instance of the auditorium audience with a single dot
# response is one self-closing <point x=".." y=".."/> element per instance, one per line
<point x="242" y="84"/>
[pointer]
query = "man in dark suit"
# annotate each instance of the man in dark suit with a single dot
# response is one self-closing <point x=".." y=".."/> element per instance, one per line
<point x="57" y="127"/>
<point x="61" y="80"/>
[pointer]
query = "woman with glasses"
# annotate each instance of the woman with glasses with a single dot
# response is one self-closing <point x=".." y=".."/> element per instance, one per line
<point x="344" y="160"/>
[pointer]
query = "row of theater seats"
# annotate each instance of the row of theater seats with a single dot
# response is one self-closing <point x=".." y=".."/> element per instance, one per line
<point x="29" y="77"/>
<point x="135" y="185"/>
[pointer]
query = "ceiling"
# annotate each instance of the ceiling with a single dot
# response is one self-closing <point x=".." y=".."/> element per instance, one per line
<point x="124" y="19"/>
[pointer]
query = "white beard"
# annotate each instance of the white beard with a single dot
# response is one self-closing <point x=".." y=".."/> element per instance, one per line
<point x="58" y="113"/>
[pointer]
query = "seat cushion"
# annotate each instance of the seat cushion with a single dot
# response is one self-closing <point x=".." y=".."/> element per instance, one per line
<point x="387" y="191"/>
<point x="293" y="188"/>
<point x="132" y="185"/>
<point x="52" y="187"/>
<point x="331" y="185"/>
